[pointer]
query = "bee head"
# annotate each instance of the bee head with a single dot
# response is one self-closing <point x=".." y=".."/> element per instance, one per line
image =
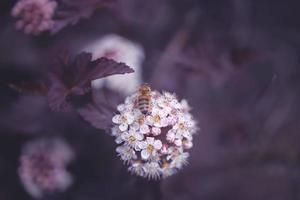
<point x="144" y="89"/>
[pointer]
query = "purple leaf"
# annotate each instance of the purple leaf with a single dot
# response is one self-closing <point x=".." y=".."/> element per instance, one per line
<point x="57" y="94"/>
<point x="73" y="77"/>
<point x="106" y="67"/>
<point x="98" y="116"/>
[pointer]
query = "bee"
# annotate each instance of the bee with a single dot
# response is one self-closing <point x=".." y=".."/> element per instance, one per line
<point x="144" y="99"/>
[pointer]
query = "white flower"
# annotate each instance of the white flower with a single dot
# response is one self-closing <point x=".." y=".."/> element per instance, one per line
<point x="122" y="50"/>
<point x="124" y="120"/>
<point x="152" y="170"/>
<point x="156" y="131"/>
<point x="180" y="159"/>
<point x="183" y="127"/>
<point x="172" y="120"/>
<point x="149" y="147"/>
<point x="173" y="135"/>
<point x="158" y="118"/>
<point x="185" y="106"/>
<point x="115" y="131"/>
<point x="167" y="169"/>
<point x="163" y="103"/>
<point x="178" y="142"/>
<point x="153" y="145"/>
<point x="137" y="168"/>
<point x="187" y="144"/>
<point x="126" y="153"/>
<point x="142" y="126"/>
<point x="169" y="101"/>
<point x="132" y="138"/>
<point x="164" y="149"/>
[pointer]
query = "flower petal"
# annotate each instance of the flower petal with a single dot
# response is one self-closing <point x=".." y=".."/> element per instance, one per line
<point x="171" y="136"/>
<point x="119" y="149"/>
<point x="142" y="145"/>
<point x="156" y="131"/>
<point x="164" y="122"/>
<point x="157" y="144"/>
<point x="144" y="129"/>
<point x="139" y="136"/>
<point x="116" y="119"/>
<point x="188" y="144"/>
<point x="119" y="140"/>
<point x="149" y="120"/>
<point x="121" y="107"/>
<point x="145" y="154"/>
<point x="130" y="118"/>
<point x="123" y="127"/>
<point x="150" y="140"/>
<point x="178" y="142"/>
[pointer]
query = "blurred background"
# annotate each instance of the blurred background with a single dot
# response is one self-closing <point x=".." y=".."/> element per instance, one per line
<point x="236" y="63"/>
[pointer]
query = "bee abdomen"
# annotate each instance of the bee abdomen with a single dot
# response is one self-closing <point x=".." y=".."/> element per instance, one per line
<point x="144" y="105"/>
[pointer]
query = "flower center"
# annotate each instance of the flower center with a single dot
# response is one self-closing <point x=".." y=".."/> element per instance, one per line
<point x="123" y="119"/>
<point x="141" y="120"/>
<point x="131" y="139"/>
<point x="182" y="126"/>
<point x="165" y="164"/>
<point x="156" y="118"/>
<point x="150" y="148"/>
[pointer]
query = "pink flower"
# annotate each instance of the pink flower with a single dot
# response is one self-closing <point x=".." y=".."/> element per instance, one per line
<point x="43" y="166"/>
<point x="34" y="16"/>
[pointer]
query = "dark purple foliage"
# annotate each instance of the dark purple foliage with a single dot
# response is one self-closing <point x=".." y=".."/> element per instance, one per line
<point x="99" y="116"/>
<point x="73" y="76"/>
<point x="236" y="62"/>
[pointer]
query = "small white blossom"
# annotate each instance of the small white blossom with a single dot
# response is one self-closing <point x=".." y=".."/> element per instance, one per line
<point x="126" y="153"/>
<point x="183" y="126"/>
<point x="173" y="135"/>
<point x="137" y="168"/>
<point x="154" y="144"/>
<point x="187" y="144"/>
<point x="156" y="131"/>
<point x="152" y="170"/>
<point x="132" y="138"/>
<point x="144" y="128"/>
<point x="150" y="147"/>
<point x="124" y="120"/>
<point x="180" y="159"/>
<point x="164" y="149"/>
<point x="158" y="118"/>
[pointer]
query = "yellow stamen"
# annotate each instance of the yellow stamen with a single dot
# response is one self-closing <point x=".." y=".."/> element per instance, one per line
<point x="131" y="139"/>
<point x="182" y="126"/>
<point x="156" y="118"/>
<point x="165" y="164"/>
<point x="150" y="148"/>
<point x="141" y="120"/>
<point x="124" y="119"/>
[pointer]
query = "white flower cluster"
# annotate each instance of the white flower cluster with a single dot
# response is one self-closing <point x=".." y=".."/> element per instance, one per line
<point x="34" y="16"/>
<point x="154" y="144"/>
<point x="121" y="50"/>
<point x="43" y="166"/>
